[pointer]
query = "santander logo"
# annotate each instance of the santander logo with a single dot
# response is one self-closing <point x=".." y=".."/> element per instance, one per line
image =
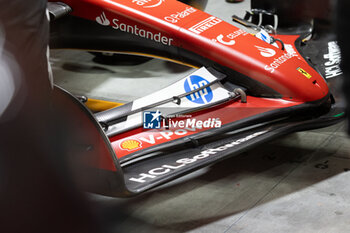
<point x="148" y="3"/>
<point x="266" y="52"/>
<point x="155" y="5"/>
<point x="102" y="19"/>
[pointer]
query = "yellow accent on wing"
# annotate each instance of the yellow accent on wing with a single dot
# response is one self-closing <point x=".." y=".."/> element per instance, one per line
<point x="101" y="105"/>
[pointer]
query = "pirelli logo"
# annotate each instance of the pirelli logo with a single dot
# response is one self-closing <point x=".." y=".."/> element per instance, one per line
<point x="306" y="74"/>
<point x="205" y="25"/>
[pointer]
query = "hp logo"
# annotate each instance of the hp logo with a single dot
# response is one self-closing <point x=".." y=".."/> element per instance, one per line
<point x="203" y="96"/>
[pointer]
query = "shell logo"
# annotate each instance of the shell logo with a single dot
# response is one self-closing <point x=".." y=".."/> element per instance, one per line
<point x="130" y="144"/>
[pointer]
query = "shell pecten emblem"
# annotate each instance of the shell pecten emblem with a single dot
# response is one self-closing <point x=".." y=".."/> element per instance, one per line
<point x="130" y="144"/>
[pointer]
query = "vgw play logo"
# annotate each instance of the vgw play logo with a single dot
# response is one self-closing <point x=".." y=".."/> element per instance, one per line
<point x="202" y="96"/>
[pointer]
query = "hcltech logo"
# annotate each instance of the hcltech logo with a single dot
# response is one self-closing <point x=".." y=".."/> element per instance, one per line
<point x="202" y="96"/>
<point x="333" y="60"/>
<point x="151" y="120"/>
<point x="172" y="166"/>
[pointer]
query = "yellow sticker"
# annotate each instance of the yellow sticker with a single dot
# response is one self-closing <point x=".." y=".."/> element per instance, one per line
<point x="130" y="144"/>
<point x="306" y="74"/>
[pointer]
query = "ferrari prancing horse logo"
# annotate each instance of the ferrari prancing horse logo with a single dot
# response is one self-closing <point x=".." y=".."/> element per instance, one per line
<point x="306" y="74"/>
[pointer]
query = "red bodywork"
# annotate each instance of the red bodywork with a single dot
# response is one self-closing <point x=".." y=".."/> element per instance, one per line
<point x="286" y="73"/>
<point x="227" y="113"/>
<point x="201" y="33"/>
